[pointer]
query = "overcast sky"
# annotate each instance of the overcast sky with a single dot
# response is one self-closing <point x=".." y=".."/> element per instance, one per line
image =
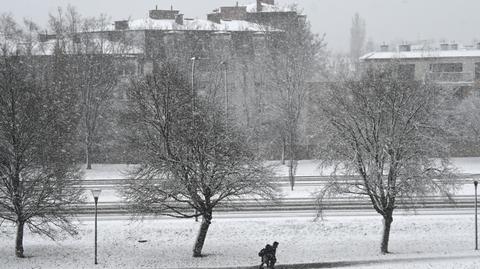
<point x="387" y="20"/>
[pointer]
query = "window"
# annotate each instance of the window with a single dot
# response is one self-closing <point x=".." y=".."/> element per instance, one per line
<point x="243" y="45"/>
<point x="406" y="71"/>
<point x="127" y="68"/>
<point x="202" y="48"/>
<point x="446" y="68"/>
<point x="448" y="72"/>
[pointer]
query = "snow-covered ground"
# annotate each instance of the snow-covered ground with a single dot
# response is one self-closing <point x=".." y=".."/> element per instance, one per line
<point x="416" y="242"/>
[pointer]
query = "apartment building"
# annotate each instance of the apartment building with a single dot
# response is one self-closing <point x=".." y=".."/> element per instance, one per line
<point x="449" y="65"/>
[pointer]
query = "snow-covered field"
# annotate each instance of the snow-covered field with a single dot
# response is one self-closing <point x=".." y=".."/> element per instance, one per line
<point x="416" y="242"/>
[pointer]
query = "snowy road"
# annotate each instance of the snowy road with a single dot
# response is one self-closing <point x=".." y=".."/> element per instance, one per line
<point x="300" y="201"/>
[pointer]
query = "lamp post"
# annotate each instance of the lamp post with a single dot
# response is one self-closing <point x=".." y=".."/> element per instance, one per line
<point x="193" y="84"/>
<point x="475" y="183"/>
<point x="226" y="87"/>
<point x="96" y="194"/>
<point x="193" y="104"/>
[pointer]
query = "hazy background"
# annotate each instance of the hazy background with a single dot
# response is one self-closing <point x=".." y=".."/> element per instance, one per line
<point x="387" y="20"/>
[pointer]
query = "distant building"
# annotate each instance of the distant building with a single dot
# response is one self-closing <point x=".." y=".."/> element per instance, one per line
<point x="263" y="12"/>
<point x="233" y="35"/>
<point x="231" y="38"/>
<point x="449" y="65"/>
<point x="228" y="50"/>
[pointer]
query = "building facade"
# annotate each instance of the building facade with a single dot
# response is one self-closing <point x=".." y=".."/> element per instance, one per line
<point x="449" y="65"/>
<point x="224" y="55"/>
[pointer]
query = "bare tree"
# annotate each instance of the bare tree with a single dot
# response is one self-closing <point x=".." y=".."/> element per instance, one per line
<point x="294" y="58"/>
<point x="9" y="30"/>
<point x="97" y="78"/>
<point x="38" y="119"/>
<point x="382" y="134"/>
<point x="94" y="61"/>
<point x="467" y="121"/>
<point x="194" y="158"/>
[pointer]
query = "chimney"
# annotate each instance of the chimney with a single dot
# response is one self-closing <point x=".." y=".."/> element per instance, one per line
<point x="43" y="37"/>
<point x="444" y="46"/>
<point x="405" y="47"/>
<point x="121" y="25"/>
<point x="214" y="17"/>
<point x="179" y="19"/>
<point x="384" y="48"/>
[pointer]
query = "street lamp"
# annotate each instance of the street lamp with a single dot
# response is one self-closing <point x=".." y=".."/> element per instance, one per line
<point x="193" y="59"/>
<point x="225" y="63"/>
<point x="96" y="194"/>
<point x="475" y="183"/>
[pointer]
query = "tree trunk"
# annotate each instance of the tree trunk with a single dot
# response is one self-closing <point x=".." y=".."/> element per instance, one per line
<point x="291" y="172"/>
<point x="87" y="152"/>
<point x="283" y="151"/>
<point x="19" y="240"/>
<point x="387" y="222"/>
<point x="202" y="234"/>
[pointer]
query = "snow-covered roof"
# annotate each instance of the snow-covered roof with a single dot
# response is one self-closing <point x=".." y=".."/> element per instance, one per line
<point x="269" y="8"/>
<point x="192" y="25"/>
<point x="420" y="54"/>
<point x="167" y="25"/>
<point x="48" y="47"/>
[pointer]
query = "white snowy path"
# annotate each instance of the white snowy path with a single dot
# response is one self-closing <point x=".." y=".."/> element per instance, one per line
<point x="416" y="242"/>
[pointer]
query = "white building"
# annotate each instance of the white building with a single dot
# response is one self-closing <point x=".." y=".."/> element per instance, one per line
<point x="449" y="65"/>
